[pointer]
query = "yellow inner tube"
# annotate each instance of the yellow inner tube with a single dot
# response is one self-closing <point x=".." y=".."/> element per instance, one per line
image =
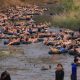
<point x="55" y="51"/>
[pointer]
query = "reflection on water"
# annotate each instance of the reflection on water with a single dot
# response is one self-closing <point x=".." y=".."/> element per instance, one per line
<point x="24" y="62"/>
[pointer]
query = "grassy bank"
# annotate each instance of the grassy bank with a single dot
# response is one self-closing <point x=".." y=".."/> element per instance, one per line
<point x="63" y="14"/>
<point x="70" y="17"/>
<point x="66" y="21"/>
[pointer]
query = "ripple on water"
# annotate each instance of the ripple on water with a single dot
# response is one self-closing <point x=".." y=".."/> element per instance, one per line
<point x="28" y="66"/>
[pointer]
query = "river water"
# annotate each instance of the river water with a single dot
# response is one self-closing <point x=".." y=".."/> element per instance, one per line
<point x="24" y="62"/>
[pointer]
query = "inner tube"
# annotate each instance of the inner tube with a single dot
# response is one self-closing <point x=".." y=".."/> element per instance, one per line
<point x="50" y="53"/>
<point x="10" y="33"/>
<point x="16" y="43"/>
<point x="63" y="50"/>
<point x="54" y="51"/>
<point x="23" y="42"/>
<point x="6" y="42"/>
<point x="72" y="52"/>
<point x="2" y="37"/>
<point x="40" y="40"/>
<point x="50" y="44"/>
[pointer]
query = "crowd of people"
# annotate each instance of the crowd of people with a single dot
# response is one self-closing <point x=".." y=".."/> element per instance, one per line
<point x="18" y="27"/>
<point x="66" y="41"/>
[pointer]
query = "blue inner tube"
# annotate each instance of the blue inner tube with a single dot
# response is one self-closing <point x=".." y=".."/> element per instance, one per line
<point x="63" y="50"/>
<point x="6" y="42"/>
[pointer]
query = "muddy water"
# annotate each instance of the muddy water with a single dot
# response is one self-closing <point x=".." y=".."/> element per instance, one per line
<point x="24" y="62"/>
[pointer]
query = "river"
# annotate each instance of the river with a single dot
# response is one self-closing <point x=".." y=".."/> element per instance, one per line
<point x="24" y="62"/>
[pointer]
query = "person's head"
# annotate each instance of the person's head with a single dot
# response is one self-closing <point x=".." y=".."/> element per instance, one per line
<point x="59" y="67"/>
<point x="64" y="46"/>
<point x="75" y="59"/>
<point x="5" y="76"/>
